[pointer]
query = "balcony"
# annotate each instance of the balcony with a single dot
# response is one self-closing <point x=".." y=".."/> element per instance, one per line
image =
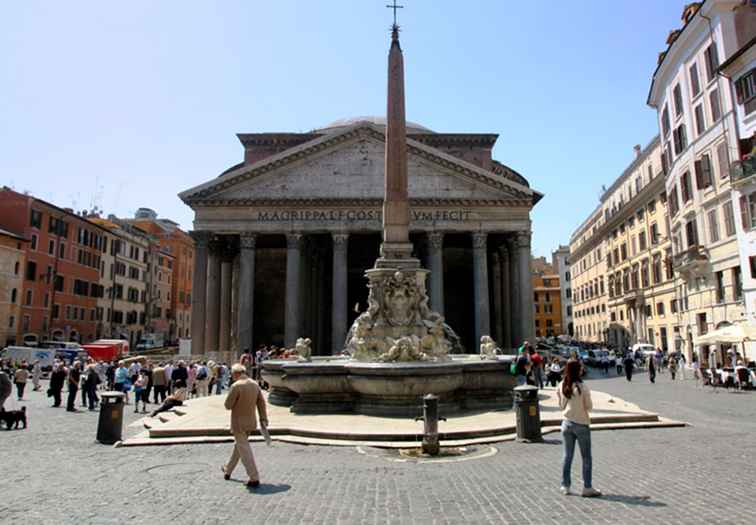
<point x="634" y="297"/>
<point x="692" y="262"/>
<point x="742" y="170"/>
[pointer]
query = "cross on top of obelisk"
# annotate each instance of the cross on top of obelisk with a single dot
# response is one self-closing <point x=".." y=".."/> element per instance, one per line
<point x="395" y="7"/>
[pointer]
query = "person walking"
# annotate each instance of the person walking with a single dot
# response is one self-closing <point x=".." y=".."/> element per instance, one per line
<point x="36" y="375"/>
<point x="140" y="391"/>
<point x="20" y="378"/>
<point x="57" y="380"/>
<point x="681" y="365"/>
<point x="521" y="365"/>
<point x="536" y="367"/>
<point x="672" y="367"/>
<point x="120" y="378"/>
<point x="629" y="365"/>
<point x="652" y="369"/>
<point x="91" y="380"/>
<point x="6" y="388"/>
<point x="202" y="379"/>
<point x="147" y="371"/>
<point x="159" y="384"/>
<point x="245" y="401"/>
<point x="575" y="403"/>
<point x="74" y="376"/>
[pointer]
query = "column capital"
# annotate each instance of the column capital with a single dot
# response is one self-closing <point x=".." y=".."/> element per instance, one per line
<point x="479" y="240"/>
<point x="522" y="239"/>
<point x="436" y="240"/>
<point x="201" y="238"/>
<point x="340" y="240"/>
<point x="294" y="240"/>
<point x="248" y="241"/>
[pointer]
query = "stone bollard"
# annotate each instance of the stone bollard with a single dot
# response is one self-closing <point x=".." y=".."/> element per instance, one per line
<point x="430" y="418"/>
<point x="528" y="413"/>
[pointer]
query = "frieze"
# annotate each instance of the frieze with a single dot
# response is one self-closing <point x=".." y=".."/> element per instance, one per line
<point x="356" y="215"/>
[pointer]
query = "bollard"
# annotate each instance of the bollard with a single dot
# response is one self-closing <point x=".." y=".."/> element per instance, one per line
<point x="430" y="419"/>
<point x="528" y="412"/>
<point x="110" y="424"/>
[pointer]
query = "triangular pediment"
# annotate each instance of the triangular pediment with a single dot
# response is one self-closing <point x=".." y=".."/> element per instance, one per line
<point x="350" y="165"/>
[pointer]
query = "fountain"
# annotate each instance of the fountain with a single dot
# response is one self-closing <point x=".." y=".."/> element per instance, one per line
<point x="399" y="349"/>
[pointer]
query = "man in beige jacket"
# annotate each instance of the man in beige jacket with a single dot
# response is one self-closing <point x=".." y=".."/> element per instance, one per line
<point x="244" y="400"/>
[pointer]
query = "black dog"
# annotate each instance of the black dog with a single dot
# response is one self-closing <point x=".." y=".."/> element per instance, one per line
<point x="13" y="417"/>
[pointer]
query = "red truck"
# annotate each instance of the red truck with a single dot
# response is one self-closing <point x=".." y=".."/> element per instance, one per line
<point x="107" y="349"/>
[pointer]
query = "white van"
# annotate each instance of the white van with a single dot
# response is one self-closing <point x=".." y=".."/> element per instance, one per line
<point x="24" y="353"/>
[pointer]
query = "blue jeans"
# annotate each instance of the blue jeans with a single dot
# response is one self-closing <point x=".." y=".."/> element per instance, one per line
<point x="582" y="433"/>
<point x="521" y="380"/>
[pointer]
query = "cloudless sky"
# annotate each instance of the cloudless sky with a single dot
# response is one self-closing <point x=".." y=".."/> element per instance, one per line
<point x="124" y="104"/>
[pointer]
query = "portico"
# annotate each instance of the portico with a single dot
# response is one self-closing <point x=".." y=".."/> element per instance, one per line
<point x="284" y="239"/>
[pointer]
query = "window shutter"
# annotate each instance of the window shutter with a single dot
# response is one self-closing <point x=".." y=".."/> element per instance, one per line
<point x="744" y="213"/>
<point x="699" y="175"/>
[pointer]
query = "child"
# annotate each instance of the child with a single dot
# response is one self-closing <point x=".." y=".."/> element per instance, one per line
<point x="140" y="392"/>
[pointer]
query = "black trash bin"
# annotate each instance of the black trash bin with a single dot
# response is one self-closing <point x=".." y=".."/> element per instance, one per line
<point x="528" y="413"/>
<point x="110" y="425"/>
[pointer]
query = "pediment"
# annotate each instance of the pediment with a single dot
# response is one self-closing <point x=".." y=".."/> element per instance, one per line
<point x="350" y="165"/>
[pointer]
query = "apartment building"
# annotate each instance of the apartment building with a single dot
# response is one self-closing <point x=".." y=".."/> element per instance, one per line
<point x="560" y="261"/>
<point x="160" y="318"/>
<point x="697" y="123"/>
<point x="547" y="302"/>
<point x="12" y="264"/>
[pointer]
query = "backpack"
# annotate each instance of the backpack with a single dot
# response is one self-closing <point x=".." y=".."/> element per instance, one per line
<point x="202" y="374"/>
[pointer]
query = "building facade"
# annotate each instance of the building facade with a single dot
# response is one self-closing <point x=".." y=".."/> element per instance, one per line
<point x="12" y="264"/>
<point x="561" y="263"/>
<point x="61" y="275"/>
<point x="697" y="122"/>
<point x="177" y="244"/>
<point x="547" y="301"/>
<point x="160" y="319"/>
<point x="283" y="239"/>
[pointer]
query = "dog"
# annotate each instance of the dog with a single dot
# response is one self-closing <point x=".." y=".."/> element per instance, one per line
<point x="13" y="417"/>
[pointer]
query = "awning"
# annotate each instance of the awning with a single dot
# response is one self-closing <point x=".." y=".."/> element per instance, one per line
<point x="734" y="333"/>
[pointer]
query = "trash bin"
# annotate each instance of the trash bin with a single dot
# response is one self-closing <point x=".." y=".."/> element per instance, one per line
<point x="528" y="413"/>
<point x="110" y="424"/>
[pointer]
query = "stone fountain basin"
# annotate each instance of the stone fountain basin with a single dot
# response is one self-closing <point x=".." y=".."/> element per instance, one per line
<point x="336" y="385"/>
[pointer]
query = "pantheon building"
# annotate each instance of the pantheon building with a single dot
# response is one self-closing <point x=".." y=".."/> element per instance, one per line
<point x="283" y="238"/>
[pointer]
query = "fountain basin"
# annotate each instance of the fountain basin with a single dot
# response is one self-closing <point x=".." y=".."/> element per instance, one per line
<point x="335" y="385"/>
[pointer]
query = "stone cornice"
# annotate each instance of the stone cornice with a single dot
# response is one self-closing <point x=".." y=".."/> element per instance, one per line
<point x="302" y="151"/>
<point x="305" y="203"/>
<point x="450" y="139"/>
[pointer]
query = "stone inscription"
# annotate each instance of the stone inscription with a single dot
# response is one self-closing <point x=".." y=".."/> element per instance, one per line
<point x="355" y="215"/>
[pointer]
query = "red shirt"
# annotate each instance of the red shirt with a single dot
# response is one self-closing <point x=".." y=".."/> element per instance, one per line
<point x="536" y="359"/>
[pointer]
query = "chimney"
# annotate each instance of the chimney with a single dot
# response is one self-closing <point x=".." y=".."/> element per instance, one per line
<point x="637" y="150"/>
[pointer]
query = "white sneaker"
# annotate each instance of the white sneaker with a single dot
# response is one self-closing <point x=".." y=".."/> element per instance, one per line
<point x="564" y="490"/>
<point x="591" y="493"/>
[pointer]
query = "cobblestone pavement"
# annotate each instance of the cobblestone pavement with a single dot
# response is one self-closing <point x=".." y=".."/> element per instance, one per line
<point x="55" y="473"/>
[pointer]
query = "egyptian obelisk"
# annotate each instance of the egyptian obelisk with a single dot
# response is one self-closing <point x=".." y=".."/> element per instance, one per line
<point x="396" y="249"/>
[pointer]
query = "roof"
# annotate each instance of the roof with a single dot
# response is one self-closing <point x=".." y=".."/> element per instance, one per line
<point x="7" y="233"/>
<point x="736" y="55"/>
<point x="412" y="127"/>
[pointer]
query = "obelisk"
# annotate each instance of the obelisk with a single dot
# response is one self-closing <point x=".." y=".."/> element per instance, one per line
<point x="396" y="249"/>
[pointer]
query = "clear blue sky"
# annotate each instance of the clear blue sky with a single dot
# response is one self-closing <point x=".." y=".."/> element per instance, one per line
<point x="125" y="104"/>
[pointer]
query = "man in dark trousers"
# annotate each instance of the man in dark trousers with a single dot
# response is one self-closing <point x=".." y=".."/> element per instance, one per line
<point x="629" y="364"/>
<point x="74" y="376"/>
<point x="57" y="381"/>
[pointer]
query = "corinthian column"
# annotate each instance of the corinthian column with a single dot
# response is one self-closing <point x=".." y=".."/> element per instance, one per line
<point x="247" y="290"/>
<point x="339" y="292"/>
<point x="526" y="285"/>
<point x="496" y="280"/>
<point x="199" y="291"/>
<point x="480" y="287"/>
<point x="514" y="297"/>
<point x="436" y="263"/>
<point x="506" y="297"/>
<point x="212" y="309"/>
<point x="224" y="336"/>
<point x="293" y="266"/>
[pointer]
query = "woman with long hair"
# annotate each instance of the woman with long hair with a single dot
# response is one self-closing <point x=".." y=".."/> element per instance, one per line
<point x="575" y="403"/>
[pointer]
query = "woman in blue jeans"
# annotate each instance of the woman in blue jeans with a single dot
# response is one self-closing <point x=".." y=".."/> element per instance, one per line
<point x="575" y="404"/>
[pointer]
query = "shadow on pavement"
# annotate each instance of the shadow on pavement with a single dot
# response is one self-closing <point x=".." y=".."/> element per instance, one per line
<point x="269" y="488"/>
<point x="643" y="501"/>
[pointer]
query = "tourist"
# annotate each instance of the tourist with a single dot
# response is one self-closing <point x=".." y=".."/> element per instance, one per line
<point x="672" y="367"/>
<point x="221" y="379"/>
<point x="74" y="376"/>
<point x="147" y="370"/>
<point x="110" y="375"/>
<point x="245" y="401"/>
<point x="120" y="379"/>
<point x="57" y="380"/>
<point x="618" y="362"/>
<point x="605" y="364"/>
<point x="140" y="392"/>
<point x="180" y="373"/>
<point x="202" y="379"/>
<point x="176" y="399"/>
<point x="681" y="364"/>
<point x="652" y="368"/>
<point x="36" y="375"/>
<point x="20" y="378"/>
<point x="91" y="380"/>
<point x="134" y="369"/>
<point x="168" y="376"/>
<point x="159" y="384"/>
<point x="521" y="365"/>
<point x="6" y="388"/>
<point x="536" y="367"/>
<point x="555" y="372"/>
<point x="575" y="403"/>
<point x="696" y="365"/>
<point x="629" y="365"/>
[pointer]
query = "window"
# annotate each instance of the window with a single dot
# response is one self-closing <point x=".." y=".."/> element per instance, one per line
<point x="695" y="85"/>
<point x="685" y="187"/>
<point x="716" y="111"/>
<point x="712" y="61"/>
<point x="737" y="284"/>
<point x="665" y="120"/>
<point x="680" y="139"/>
<point x="14" y="294"/>
<point x="60" y="283"/>
<point x="535" y="297"/>
<point x="623" y="250"/>
<point x="31" y="270"/>
<point x="673" y="306"/>
<point x="668" y="263"/>
<point x="62" y="251"/>
<point x="659" y="309"/>
<point x="656" y="269"/>
<point x="719" y="278"/>
<point x="713" y="226"/>
<point x="644" y="274"/>
<point x="654" y="234"/>
<point x="33" y="241"/>
<point x="748" y="211"/>
<point x="47" y="300"/>
<point x="56" y="311"/>
<point x="752" y="260"/>
<point x="649" y="311"/>
<point x="28" y="300"/>
<point x="27" y="323"/>
<point x="700" y="120"/>
<point x="723" y="159"/>
<point x="642" y="241"/>
<point x="703" y="172"/>
<point x="691" y="232"/>
<point x="677" y="96"/>
<point x="674" y="203"/>
<point x="745" y="91"/>
<point x="51" y="247"/>
<point x="729" y="219"/>
<point x="35" y="221"/>
<point x="638" y="184"/>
